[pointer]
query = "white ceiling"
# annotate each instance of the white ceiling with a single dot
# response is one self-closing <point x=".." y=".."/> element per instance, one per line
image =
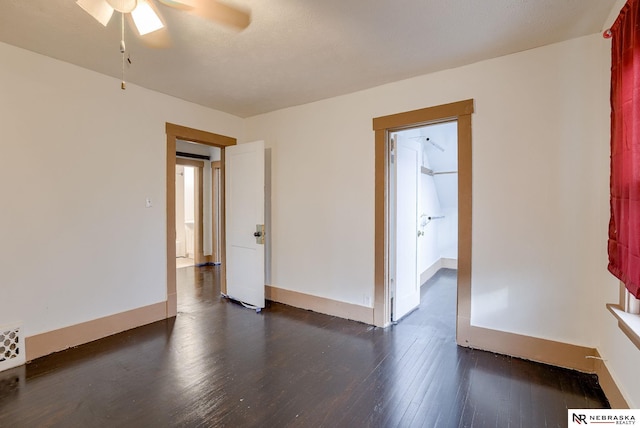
<point x="298" y="51"/>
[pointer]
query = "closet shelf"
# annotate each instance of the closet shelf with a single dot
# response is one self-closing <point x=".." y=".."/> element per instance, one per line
<point x="431" y="172"/>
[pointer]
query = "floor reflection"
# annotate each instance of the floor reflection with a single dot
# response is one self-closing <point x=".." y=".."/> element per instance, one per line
<point x="220" y="364"/>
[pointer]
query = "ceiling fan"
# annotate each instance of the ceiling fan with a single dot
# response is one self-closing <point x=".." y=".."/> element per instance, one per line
<point x="147" y="18"/>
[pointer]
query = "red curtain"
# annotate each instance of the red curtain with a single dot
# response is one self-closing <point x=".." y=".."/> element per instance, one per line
<point x="624" y="226"/>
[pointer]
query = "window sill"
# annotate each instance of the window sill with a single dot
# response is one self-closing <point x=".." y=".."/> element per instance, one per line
<point x="628" y="323"/>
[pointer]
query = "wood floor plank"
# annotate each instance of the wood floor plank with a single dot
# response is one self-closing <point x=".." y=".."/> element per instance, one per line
<point x="220" y="364"/>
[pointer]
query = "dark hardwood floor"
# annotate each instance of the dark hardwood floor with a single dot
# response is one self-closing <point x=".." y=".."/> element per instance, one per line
<point x="219" y="364"/>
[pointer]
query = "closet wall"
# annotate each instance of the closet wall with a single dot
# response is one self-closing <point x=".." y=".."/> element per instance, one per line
<point x="438" y="199"/>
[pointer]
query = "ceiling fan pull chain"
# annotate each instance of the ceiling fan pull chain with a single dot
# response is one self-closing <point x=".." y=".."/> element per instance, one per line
<point x="123" y="49"/>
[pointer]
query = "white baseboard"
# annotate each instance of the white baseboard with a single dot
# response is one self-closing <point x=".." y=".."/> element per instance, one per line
<point x="441" y="263"/>
<point x="448" y="263"/>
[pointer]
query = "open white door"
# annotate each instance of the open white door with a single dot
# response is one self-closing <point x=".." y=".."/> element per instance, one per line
<point x="405" y="176"/>
<point x="244" y="213"/>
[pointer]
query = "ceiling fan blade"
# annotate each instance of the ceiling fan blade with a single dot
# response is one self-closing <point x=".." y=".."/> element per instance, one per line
<point x="146" y="18"/>
<point x="99" y="9"/>
<point x="182" y="5"/>
<point x="158" y="39"/>
<point x="221" y="13"/>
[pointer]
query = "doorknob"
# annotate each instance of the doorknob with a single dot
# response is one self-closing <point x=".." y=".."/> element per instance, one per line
<point x="259" y="234"/>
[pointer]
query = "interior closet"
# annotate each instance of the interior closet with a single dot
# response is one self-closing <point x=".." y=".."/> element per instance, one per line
<point x="437" y="198"/>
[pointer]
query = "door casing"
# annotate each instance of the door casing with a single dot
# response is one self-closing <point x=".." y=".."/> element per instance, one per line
<point x="216" y="205"/>
<point x="177" y="132"/>
<point x="461" y="112"/>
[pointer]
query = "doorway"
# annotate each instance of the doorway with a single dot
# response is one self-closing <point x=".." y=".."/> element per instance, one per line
<point x="192" y="230"/>
<point x="185" y="216"/>
<point x="384" y="127"/>
<point x="174" y="133"/>
<point x="423" y="216"/>
<point x="197" y="204"/>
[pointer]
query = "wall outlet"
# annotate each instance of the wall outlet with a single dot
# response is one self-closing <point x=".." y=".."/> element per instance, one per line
<point x="367" y="300"/>
<point x="147" y="203"/>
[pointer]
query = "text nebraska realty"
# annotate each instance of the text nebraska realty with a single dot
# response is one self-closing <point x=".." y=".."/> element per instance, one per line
<point x="605" y="419"/>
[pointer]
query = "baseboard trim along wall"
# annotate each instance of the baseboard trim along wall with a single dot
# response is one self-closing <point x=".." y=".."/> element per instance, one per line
<point x="57" y="340"/>
<point x="546" y="351"/>
<point x="560" y="354"/>
<point x="320" y="304"/>
<point x="441" y="263"/>
<point x="608" y="385"/>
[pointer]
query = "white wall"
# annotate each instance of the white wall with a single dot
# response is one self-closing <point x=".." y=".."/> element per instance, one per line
<point x="537" y="232"/>
<point x="188" y="205"/>
<point x="445" y="135"/>
<point x="429" y="204"/>
<point x="447" y="228"/>
<point x="540" y="193"/>
<point x="181" y="236"/>
<point x="82" y="243"/>
<point x="322" y="197"/>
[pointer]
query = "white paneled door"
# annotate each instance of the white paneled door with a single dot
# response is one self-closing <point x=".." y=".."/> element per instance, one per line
<point x="405" y="181"/>
<point x="244" y="214"/>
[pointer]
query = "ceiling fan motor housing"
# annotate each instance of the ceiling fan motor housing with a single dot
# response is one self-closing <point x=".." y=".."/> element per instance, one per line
<point x="123" y="6"/>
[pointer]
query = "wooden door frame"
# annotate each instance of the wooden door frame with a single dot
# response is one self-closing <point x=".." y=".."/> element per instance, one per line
<point x="216" y="224"/>
<point x="176" y="132"/>
<point x="461" y="112"/>
<point x="198" y="236"/>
